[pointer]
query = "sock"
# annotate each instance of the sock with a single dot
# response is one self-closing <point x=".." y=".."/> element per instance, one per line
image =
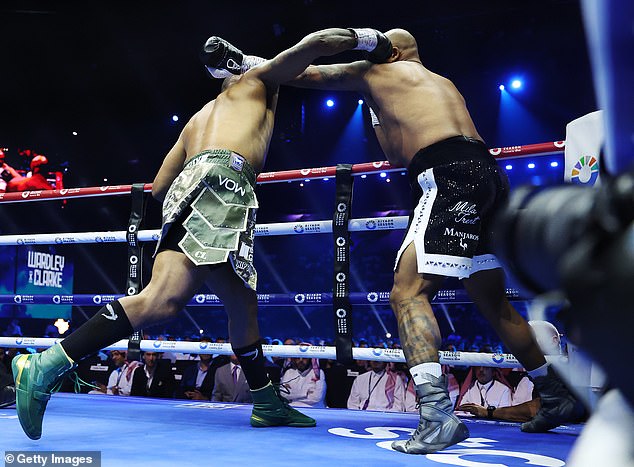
<point x="109" y="325"/>
<point x="419" y="371"/>
<point x="539" y="371"/>
<point x="251" y="360"/>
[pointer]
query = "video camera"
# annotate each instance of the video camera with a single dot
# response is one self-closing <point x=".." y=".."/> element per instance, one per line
<point x="579" y="240"/>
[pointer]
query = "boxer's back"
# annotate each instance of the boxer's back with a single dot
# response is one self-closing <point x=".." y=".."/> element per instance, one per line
<point x="417" y="108"/>
<point x="239" y="119"/>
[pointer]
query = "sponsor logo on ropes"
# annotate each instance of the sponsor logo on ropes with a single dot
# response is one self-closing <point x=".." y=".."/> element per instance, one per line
<point x="264" y="298"/>
<point x="298" y="228"/>
<point x="341" y="313"/>
<point x="560" y="144"/>
<point x="373" y="297"/>
<point x="498" y="358"/>
<point x="200" y="298"/>
<point x="304" y="172"/>
<point x="340" y="277"/>
<point x="1" y="195"/>
<point x="300" y="298"/>
<point x="261" y="230"/>
<point x="60" y="240"/>
<point x="157" y="344"/>
<point x="341" y="207"/>
<point x="155" y="236"/>
<point x="26" y="241"/>
<point x="377" y="352"/>
<point x="308" y="298"/>
<point x="585" y="171"/>
<point x="446" y="295"/>
<point x="378" y="164"/>
<point x="450" y="356"/>
<point x="303" y="348"/>
<point x="495" y="151"/>
<point x="370" y="225"/>
<point x="203" y="345"/>
<point x="56" y="299"/>
<point x="18" y="341"/>
<point x="105" y="239"/>
<point x="23" y="299"/>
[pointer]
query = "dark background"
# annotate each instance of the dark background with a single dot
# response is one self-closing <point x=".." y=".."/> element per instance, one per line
<point x="116" y="72"/>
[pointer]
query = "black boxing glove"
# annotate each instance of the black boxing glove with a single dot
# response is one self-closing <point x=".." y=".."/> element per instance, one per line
<point x="222" y="59"/>
<point x="377" y="44"/>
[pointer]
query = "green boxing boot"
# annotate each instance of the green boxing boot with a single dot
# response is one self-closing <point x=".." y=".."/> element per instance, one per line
<point x="36" y="377"/>
<point x="269" y="409"/>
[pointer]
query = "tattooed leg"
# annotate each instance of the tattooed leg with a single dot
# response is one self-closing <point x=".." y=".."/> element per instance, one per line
<point x="410" y="300"/>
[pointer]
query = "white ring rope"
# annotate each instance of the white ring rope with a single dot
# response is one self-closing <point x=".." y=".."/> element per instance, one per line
<point x="288" y="351"/>
<point x="261" y="230"/>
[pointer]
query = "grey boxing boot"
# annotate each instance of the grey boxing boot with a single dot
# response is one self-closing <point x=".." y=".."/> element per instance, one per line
<point x="438" y="427"/>
<point x="558" y="404"/>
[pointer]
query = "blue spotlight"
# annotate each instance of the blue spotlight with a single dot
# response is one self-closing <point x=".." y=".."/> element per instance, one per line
<point x="360" y="101"/>
<point x="383" y="174"/>
<point x="364" y="176"/>
<point x="174" y="118"/>
<point x="501" y="87"/>
<point x="531" y="166"/>
<point x="554" y="164"/>
<point x="516" y="84"/>
<point x="326" y="179"/>
<point x="330" y="103"/>
<point x="508" y="167"/>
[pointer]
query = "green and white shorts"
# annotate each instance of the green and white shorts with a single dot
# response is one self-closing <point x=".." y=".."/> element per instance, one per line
<point x="209" y="212"/>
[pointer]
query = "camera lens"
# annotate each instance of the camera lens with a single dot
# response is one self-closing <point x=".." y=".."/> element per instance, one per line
<point x="537" y="228"/>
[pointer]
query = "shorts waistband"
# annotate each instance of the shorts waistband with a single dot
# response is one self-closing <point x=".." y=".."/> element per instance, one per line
<point x="228" y="158"/>
<point x="442" y="152"/>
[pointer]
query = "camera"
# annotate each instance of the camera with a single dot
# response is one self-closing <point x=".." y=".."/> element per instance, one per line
<point x="579" y="240"/>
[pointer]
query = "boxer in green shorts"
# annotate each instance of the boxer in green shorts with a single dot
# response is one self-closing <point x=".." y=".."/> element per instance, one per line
<point x="207" y="184"/>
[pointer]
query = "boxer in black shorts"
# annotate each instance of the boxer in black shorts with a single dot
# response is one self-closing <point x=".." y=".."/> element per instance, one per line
<point x="421" y="122"/>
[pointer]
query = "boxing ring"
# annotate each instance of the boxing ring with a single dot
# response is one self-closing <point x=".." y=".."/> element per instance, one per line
<point x="140" y="431"/>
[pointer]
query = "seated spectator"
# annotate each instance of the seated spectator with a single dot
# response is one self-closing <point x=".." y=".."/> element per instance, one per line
<point x="378" y="389"/>
<point x="120" y="380"/>
<point x="7" y="173"/>
<point x="339" y="380"/>
<point x="198" y="379"/>
<point x="483" y="387"/>
<point x="231" y="384"/>
<point x="37" y="180"/>
<point x="304" y="383"/>
<point x="154" y="378"/>
<point x="13" y="329"/>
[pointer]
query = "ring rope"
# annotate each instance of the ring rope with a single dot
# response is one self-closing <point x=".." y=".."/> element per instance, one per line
<point x="291" y="351"/>
<point x="264" y="299"/>
<point x="261" y="230"/>
<point x="365" y="168"/>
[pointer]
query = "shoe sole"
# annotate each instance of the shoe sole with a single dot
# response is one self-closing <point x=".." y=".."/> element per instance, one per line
<point x="258" y="422"/>
<point x="18" y="366"/>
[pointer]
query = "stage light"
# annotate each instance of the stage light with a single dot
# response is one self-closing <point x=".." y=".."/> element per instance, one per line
<point x="364" y="176"/>
<point x="75" y="133"/>
<point x="360" y="101"/>
<point x="383" y="175"/>
<point x="508" y="167"/>
<point x="516" y="84"/>
<point x="387" y="180"/>
<point x="501" y="87"/>
<point x="388" y="335"/>
<point x="326" y="179"/>
<point x="330" y="103"/>
<point x="301" y="184"/>
<point x="531" y="165"/>
<point x="174" y="118"/>
<point x="554" y="164"/>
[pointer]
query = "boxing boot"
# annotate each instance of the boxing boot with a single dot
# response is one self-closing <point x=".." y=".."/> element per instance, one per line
<point x="438" y="427"/>
<point x="270" y="409"/>
<point x="37" y="376"/>
<point x="558" y="404"/>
